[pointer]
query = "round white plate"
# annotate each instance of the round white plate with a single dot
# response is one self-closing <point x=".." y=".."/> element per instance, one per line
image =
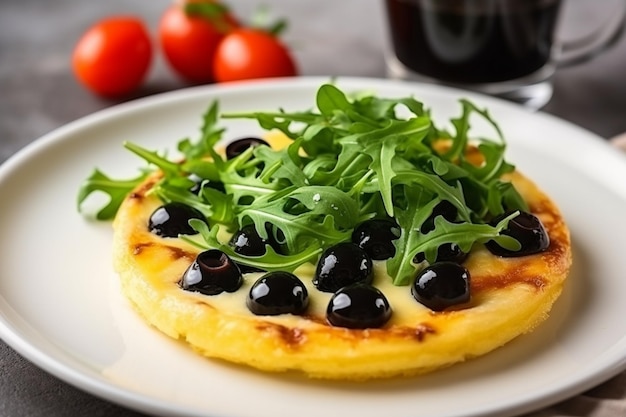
<point x="60" y="306"/>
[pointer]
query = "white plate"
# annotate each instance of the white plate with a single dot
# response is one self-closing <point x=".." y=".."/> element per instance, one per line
<point x="60" y="308"/>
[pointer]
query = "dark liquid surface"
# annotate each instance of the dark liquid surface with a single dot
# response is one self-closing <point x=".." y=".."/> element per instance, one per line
<point x="471" y="41"/>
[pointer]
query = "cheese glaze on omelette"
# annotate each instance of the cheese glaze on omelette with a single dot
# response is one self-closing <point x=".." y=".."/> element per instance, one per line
<point x="509" y="297"/>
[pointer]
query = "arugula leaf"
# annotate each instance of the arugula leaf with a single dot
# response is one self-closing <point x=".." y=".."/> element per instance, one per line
<point x="270" y="261"/>
<point x="322" y="216"/>
<point x="170" y="169"/>
<point x="330" y="99"/>
<point x="412" y="241"/>
<point x="282" y="165"/>
<point x="383" y="155"/>
<point x="116" y="189"/>
<point x="438" y="187"/>
<point x="351" y="158"/>
<point x="210" y="135"/>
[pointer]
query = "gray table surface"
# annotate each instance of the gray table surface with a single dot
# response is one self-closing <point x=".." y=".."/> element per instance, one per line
<point x="38" y="94"/>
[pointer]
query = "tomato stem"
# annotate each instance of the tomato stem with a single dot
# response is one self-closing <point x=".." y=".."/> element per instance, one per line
<point x="213" y="12"/>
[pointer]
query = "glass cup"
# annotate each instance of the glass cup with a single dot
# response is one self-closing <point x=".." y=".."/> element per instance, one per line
<point x="506" y="48"/>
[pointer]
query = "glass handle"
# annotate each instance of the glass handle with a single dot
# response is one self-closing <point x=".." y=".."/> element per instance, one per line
<point x="579" y="50"/>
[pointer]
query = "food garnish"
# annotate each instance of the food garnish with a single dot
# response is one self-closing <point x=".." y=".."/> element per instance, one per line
<point x="350" y="160"/>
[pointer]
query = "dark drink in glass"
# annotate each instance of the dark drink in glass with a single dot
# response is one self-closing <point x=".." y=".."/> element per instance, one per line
<point x="473" y="41"/>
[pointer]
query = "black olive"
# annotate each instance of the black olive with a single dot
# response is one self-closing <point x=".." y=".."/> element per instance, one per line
<point x="358" y="306"/>
<point x="441" y="285"/>
<point x="276" y="293"/>
<point x="237" y="147"/>
<point x="443" y="208"/>
<point x="376" y="238"/>
<point x="198" y="185"/>
<point x="247" y="242"/>
<point x="446" y="252"/>
<point x="527" y="229"/>
<point x="341" y="265"/>
<point x="211" y="273"/>
<point x="172" y="219"/>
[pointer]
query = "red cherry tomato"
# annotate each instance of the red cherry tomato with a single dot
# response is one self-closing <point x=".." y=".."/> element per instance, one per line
<point x="248" y="53"/>
<point x="113" y="56"/>
<point x="189" y="34"/>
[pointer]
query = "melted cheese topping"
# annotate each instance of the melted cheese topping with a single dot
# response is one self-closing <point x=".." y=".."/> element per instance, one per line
<point x="509" y="297"/>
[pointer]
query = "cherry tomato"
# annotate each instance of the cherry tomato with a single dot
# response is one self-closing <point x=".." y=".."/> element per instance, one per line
<point x="113" y="56"/>
<point x="189" y="34"/>
<point x="248" y="53"/>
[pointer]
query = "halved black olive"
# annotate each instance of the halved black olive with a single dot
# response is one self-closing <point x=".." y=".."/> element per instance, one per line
<point x="212" y="273"/>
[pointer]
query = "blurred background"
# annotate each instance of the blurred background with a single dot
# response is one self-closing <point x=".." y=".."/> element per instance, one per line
<point x="38" y="91"/>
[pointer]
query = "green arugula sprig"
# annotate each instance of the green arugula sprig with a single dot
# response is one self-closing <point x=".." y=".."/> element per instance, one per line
<point x="350" y="159"/>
